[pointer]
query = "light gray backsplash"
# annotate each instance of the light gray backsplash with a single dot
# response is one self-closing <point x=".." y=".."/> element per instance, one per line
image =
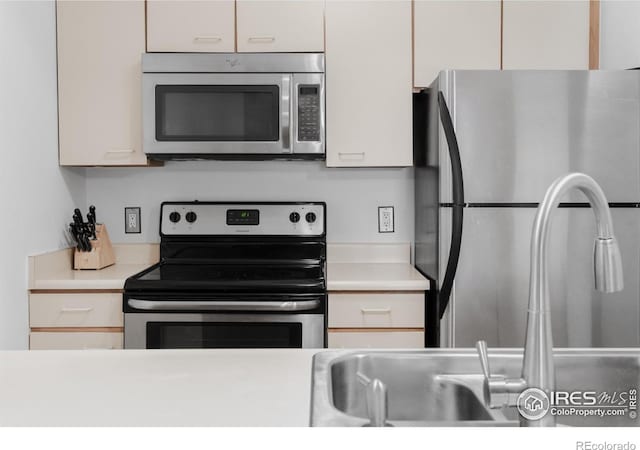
<point x="352" y="195"/>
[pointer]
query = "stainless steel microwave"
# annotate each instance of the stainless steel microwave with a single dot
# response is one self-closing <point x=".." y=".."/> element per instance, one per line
<point x="233" y="106"/>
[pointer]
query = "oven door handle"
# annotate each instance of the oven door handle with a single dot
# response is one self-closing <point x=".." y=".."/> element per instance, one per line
<point x="187" y="305"/>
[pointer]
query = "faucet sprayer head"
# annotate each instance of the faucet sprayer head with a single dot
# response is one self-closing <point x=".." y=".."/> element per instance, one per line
<point x="607" y="264"/>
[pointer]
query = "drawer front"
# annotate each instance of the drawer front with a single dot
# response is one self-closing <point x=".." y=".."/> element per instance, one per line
<point x="75" y="341"/>
<point x="75" y="310"/>
<point x="376" y="309"/>
<point x="376" y="339"/>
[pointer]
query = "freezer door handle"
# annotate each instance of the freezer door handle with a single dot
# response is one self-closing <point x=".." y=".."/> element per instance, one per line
<point x="457" y="208"/>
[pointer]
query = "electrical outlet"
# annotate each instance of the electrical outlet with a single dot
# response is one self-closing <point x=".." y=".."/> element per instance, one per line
<point x="385" y="219"/>
<point x="132" y="219"/>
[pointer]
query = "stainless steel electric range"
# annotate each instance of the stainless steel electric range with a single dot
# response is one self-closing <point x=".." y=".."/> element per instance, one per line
<point x="232" y="275"/>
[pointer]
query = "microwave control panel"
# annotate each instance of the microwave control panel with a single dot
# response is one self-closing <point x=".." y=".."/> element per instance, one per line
<point x="308" y="113"/>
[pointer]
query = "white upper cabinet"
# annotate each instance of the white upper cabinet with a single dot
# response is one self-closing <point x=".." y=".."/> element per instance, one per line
<point x="368" y="83"/>
<point x="191" y="26"/>
<point x="454" y="35"/>
<point x="99" y="101"/>
<point x="545" y="34"/>
<point x="280" y="26"/>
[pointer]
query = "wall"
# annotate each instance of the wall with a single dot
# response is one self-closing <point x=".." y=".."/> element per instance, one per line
<point x="352" y="195"/>
<point x="37" y="196"/>
<point x="619" y="34"/>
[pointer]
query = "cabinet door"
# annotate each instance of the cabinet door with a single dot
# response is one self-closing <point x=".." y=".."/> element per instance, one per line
<point x="375" y="339"/>
<point x="75" y="341"/>
<point x="280" y="26"/>
<point x="545" y="34"/>
<point x="99" y="51"/>
<point x="368" y="83"/>
<point x="191" y="26"/>
<point x="454" y="35"/>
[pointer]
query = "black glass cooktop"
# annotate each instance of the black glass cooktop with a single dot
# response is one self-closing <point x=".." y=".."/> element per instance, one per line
<point x="219" y="277"/>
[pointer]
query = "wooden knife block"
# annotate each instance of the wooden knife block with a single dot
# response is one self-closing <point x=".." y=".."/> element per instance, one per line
<point x="101" y="254"/>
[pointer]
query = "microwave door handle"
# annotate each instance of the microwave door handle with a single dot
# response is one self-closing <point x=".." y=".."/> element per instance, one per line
<point x="285" y="115"/>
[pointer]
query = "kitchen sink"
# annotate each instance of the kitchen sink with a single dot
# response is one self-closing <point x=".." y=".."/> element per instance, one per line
<point x="444" y="387"/>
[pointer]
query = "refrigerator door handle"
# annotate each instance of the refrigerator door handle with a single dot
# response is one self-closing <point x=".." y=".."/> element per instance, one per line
<point x="457" y="208"/>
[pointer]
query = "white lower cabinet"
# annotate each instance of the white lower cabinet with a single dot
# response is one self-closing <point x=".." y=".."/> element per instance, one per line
<point x="375" y="339"/>
<point x="75" y="320"/>
<point x="376" y="310"/>
<point x="393" y="319"/>
<point x="75" y="310"/>
<point x="75" y="340"/>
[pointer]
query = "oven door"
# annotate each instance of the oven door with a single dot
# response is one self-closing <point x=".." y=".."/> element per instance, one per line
<point x="196" y="330"/>
<point x="192" y="115"/>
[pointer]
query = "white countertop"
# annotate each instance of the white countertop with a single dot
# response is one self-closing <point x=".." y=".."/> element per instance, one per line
<point x="54" y="270"/>
<point x="359" y="267"/>
<point x="374" y="277"/>
<point x="155" y="387"/>
<point x="112" y="277"/>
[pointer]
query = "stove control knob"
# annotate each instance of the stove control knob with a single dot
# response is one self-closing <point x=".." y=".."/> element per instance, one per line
<point x="191" y="217"/>
<point x="310" y="217"/>
<point x="294" y="217"/>
<point x="174" y="217"/>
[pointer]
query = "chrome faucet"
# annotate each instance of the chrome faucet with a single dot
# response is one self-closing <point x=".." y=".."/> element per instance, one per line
<point x="538" y="368"/>
<point x="377" y="400"/>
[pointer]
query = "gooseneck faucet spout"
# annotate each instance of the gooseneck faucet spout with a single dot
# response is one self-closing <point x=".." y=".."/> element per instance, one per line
<point x="538" y="368"/>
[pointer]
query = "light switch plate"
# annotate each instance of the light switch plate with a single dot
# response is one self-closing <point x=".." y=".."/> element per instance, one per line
<point x="132" y="219"/>
<point x="385" y="219"/>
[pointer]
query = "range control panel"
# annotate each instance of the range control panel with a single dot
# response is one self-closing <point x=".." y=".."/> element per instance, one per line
<point x="219" y="218"/>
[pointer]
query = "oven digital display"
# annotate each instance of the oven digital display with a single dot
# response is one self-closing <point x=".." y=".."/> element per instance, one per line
<point x="243" y="217"/>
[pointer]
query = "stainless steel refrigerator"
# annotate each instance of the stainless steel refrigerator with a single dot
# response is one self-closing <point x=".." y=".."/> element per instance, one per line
<point x="487" y="144"/>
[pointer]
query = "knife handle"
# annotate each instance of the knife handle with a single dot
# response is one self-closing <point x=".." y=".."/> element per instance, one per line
<point x="91" y="226"/>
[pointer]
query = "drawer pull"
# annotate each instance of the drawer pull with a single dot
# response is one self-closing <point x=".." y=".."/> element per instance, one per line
<point x="76" y="310"/>
<point x="120" y="151"/>
<point x="375" y="310"/>
<point x="261" y="39"/>
<point x="351" y="156"/>
<point x="206" y="39"/>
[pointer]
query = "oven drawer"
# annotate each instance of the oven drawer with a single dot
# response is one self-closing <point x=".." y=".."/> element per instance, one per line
<point x="376" y="309"/>
<point x="157" y="330"/>
<point x="375" y="339"/>
<point x="75" y="340"/>
<point x="75" y="310"/>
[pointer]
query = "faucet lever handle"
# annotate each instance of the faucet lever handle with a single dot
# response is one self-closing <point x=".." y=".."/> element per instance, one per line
<point x="497" y="389"/>
<point x="481" y="347"/>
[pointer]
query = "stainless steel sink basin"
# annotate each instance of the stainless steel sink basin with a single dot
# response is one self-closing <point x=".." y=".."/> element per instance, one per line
<point x="443" y="387"/>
